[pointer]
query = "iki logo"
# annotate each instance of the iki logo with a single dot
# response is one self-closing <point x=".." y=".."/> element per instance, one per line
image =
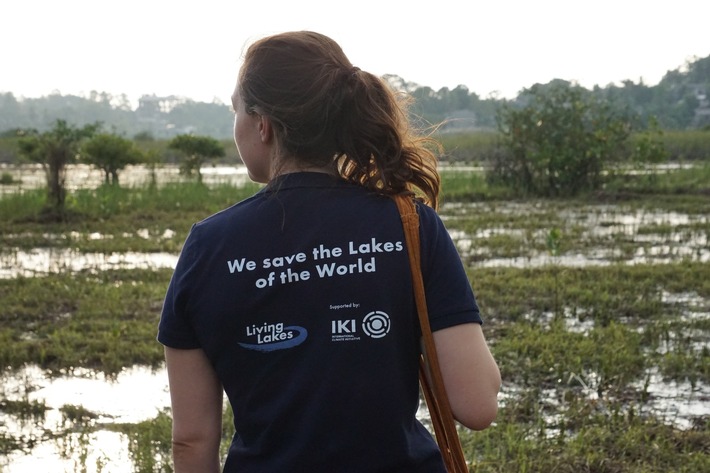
<point x="376" y="324"/>
<point x="340" y="327"/>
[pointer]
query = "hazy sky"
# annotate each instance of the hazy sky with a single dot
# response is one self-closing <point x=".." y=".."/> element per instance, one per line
<point x="193" y="49"/>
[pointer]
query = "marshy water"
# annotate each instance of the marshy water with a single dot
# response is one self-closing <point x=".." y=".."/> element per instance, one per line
<point x="134" y="395"/>
<point x="82" y="176"/>
<point x="604" y="235"/>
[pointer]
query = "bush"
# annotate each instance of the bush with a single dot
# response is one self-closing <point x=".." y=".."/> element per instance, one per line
<point x="559" y="143"/>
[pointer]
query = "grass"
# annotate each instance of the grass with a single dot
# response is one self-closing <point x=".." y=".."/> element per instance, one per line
<point x="117" y="214"/>
<point x="577" y="346"/>
<point x="108" y="320"/>
<point x="603" y="442"/>
<point x="468" y="186"/>
<point x="149" y="443"/>
<point x="481" y="146"/>
<point x="470" y="147"/>
<point x="7" y="179"/>
<point x="687" y="145"/>
<point x="24" y="409"/>
<point x="690" y="180"/>
<point x="104" y="321"/>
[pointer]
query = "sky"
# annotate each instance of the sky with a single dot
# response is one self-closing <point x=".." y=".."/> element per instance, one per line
<point x="493" y="47"/>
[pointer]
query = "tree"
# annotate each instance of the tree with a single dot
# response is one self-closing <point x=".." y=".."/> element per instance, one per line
<point x="197" y="150"/>
<point x="54" y="150"/>
<point x="559" y="142"/>
<point x="110" y="153"/>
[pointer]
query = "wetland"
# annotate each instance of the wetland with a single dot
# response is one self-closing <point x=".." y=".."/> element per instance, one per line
<point x="597" y="309"/>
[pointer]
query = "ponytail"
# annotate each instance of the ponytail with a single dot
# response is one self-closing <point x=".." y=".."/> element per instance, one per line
<point x="327" y="113"/>
<point x="379" y="148"/>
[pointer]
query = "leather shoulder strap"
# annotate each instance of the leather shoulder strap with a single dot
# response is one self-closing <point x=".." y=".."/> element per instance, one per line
<point x="430" y="374"/>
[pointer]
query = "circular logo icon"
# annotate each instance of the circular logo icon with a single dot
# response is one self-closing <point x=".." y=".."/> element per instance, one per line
<point x="376" y="324"/>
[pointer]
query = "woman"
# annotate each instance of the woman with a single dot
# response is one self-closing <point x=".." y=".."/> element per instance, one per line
<point x="297" y="302"/>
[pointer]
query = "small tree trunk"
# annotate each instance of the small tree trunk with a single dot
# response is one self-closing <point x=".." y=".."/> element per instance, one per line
<point x="54" y="186"/>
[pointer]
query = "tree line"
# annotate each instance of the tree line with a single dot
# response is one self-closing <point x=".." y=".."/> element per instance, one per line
<point x="555" y="139"/>
<point x="679" y="101"/>
<point x="66" y="144"/>
<point x="560" y="143"/>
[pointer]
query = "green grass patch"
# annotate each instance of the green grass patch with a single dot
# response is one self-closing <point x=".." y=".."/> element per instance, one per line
<point x="687" y="145"/>
<point x="116" y="214"/>
<point x="607" y="358"/>
<point x="469" y="147"/>
<point x="687" y="180"/>
<point x="7" y="179"/>
<point x="149" y="443"/>
<point x="605" y="442"/>
<point x="104" y="321"/>
<point x="622" y="293"/>
<point x="468" y="185"/>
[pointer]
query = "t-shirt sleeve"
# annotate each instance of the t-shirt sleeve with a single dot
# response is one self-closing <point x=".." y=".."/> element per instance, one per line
<point x="175" y="329"/>
<point x="450" y="298"/>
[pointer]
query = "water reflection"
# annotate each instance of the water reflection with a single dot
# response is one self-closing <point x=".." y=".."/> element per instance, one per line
<point x="139" y="393"/>
<point x="82" y="176"/>
<point x="103" y="451"/>
<point x="650" y="248"/>
<point x="663" y="254"/>
<point x="607" y="231"/>
<point x="675" y="402"/>
<point x="41" y="261"/>
<point x="136" y="394"/>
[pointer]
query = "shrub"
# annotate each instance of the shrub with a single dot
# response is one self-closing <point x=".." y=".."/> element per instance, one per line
<point x="559" y="142"/>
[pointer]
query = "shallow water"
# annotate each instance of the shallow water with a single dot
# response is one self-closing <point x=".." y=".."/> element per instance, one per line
<point x="657" y="236"/>
<point x="82" y="176"/>
<point x="676" y="403"/>
<point x="662" y="246"/>
<point x="40" y="261"/>
<point x="136" y="394"/>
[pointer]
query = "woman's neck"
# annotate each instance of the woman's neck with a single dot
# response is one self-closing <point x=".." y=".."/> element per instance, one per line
<point x="290" y="166"/>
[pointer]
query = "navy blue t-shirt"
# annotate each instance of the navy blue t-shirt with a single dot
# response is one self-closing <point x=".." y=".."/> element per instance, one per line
<point x="301" y="297"/>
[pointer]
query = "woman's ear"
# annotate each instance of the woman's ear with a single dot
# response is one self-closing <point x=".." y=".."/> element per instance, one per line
<point x="265" y="129"/>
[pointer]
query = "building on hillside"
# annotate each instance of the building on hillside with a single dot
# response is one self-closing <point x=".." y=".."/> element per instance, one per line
<point x="702" y="112"/>
<point x="153" y="113"/>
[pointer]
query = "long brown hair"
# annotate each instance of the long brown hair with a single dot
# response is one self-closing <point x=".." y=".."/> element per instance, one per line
<point x="325" y="112"/>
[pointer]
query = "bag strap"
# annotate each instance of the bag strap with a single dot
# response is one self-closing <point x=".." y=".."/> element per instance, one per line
<point x="429" y="371"/>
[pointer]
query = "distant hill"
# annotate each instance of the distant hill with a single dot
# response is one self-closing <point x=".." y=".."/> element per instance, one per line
<point x="679" y="101"/>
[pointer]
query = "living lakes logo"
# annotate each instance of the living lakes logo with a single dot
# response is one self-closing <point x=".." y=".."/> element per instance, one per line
<point x="271" y="337"/>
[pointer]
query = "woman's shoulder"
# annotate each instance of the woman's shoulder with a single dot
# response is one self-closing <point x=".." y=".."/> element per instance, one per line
<point x="427" y="214"/>
<point x="229" y="214"/>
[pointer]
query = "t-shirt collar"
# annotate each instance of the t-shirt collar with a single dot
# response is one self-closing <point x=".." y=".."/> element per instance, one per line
<point x="303" y="179"/>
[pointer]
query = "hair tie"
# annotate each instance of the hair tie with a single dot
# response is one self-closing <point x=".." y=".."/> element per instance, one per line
<point x="354" y="70"/>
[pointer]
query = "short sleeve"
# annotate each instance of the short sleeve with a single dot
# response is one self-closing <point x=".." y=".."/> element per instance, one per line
<point x="450" y="298"/>
<point x="175" y="329"/>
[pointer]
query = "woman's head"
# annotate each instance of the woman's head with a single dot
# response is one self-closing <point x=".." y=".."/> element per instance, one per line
<point x="298" y="80"/>
<point x="326" y="113"/>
